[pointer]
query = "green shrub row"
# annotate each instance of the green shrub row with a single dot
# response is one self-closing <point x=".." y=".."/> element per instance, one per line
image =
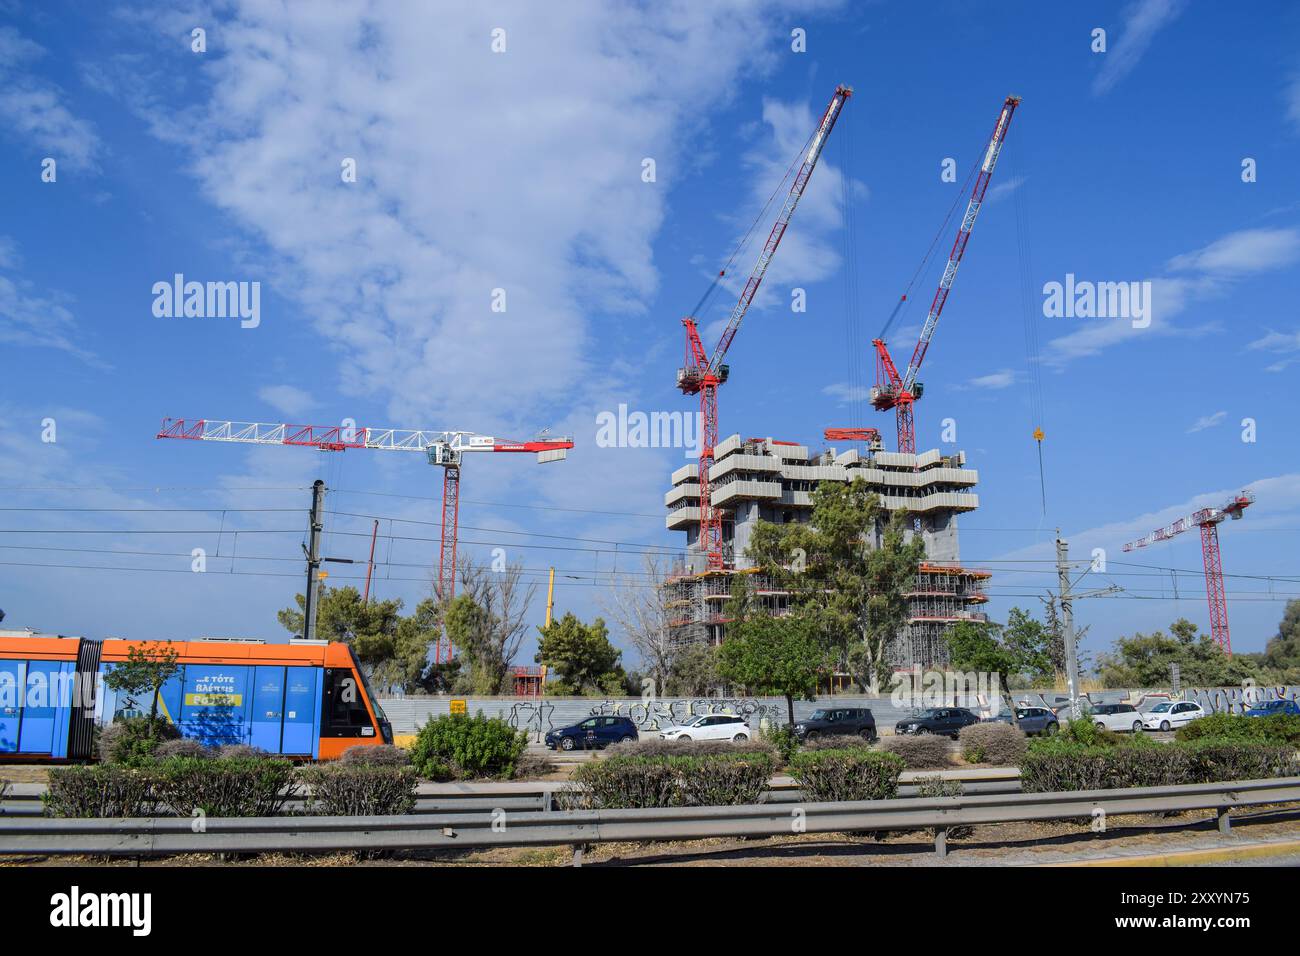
<point x="641" y="781"/>
<point x="1278" y="728"/>
<point x="995" y="743"/>
<point x="846" y="774"/>
<point x="919" y="751"/>
<point x="1065" y="765"/>
<point x="459" y="747"/>
<point x="362" y="785"/>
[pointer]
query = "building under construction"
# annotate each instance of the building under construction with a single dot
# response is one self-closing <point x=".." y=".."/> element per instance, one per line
<point x="768" y="480"/>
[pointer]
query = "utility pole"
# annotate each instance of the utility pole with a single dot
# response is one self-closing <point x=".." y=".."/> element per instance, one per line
<point x="312" y="551"/>
<point x="370" y="565"/>
<point x="1067" y="623"/>
<point x="550" y="598"/>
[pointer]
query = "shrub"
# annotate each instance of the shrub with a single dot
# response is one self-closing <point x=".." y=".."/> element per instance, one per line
<point x="919" y="751"/>
<point x="724" y="780"/>
<point x="360" y="789"/>
<point x="620" y="783"/>
<point x="1069" y="766"/>
<point x="464" y="747"/>
<point x="1083" y="731"/>
<point x="654" y="747"/>
<point x="224" y="786"/>
<point x="783" y="739"/>
<point x="1279" y="728"/>
<point x="939" y="787"/>
<point x="127" y="742"/>
<point x="1214" y="760"/>
<point x="994" y="743"/>
<point x="659" y="780"/>
<point x="102" y="790"/>
<point x="241" y="751"/>
<point x="377" y="755"/>
<point x="833" y="743"/>
<point x="183" y="747"/>
<point x="856" y="774"/>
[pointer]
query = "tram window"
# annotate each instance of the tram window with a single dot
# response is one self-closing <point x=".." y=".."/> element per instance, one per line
<point x="346" y="707"/>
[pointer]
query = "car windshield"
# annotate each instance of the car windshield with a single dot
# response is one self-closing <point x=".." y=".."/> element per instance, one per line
<point x="932" y="712"/>
<point x="695" y="721"/>
<point x="1272" y="705"/>
<point x="1160" y="708"/>
<point x="820" y="715"/>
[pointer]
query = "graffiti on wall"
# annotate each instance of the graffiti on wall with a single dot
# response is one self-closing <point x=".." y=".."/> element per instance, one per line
<point x="531" y="715"/>
<point x="656" y="714"/>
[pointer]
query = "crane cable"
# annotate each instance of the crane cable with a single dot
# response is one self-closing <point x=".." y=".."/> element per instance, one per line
<point x="1033" y="354"/>
<point x="857" y="379"/>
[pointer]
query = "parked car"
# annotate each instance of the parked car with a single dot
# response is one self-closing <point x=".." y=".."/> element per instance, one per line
<point x="1270" y="708"/>
<point x="1037" y="720"/>
<point x="937" y="720"/>
<point x="710" y="727"/>
<point x="594" y="733"/>
<point x="838" y="721"/>
<point x="1118" y="717"/>
<point x="1171" y="715"/>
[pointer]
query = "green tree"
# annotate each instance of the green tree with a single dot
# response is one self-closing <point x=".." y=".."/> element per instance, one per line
<point x="582" y="657"/>
<point x="1283" y="650"/>
<point x="775" y="655"/>
<point x="1144" y="660"/>
<point x="847" y="570"/>
<point x="486" y="624"/>
<point x="975" y="646"/>
<point x="371" y="628"/>
<point x="694" y="671"/>
<point x="1030" y="644"/>
<point x="145" y="670"/>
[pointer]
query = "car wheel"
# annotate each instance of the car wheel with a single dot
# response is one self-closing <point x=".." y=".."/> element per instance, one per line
<point x="1052" y="728"/>
<point x="867" y="735"/>
<point x="811" y="735"/>
<point x="685" y="738"/>
<point x="739" y="738"/>
<point x="1100" y="725"/>
<point x="1164" y="725"/>
<point x="625" y="739"/>
<point x="1137" y="726"/>
<point x="566" y="743"/>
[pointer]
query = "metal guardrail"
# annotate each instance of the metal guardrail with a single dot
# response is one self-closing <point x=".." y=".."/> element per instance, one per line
<point x="170" y="835"/>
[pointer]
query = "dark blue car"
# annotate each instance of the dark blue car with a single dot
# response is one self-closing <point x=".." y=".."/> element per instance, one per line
<point x="594" y="733"/>
<point x="1271" y="708"/>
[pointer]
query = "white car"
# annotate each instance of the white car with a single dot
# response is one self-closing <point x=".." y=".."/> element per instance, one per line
<point x="710" y="727"/>
<point x="1118" y="717"/>
<point x="1171" y="715"/>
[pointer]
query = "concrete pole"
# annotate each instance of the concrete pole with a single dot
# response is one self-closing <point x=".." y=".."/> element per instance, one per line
<point x="1067" y="623"/>
<point x="310" y="601"/>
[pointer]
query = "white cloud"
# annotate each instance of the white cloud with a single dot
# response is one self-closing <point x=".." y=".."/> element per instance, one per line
<point x="1004" y="189"/>
<point x="287" y="399"/>
<point x="1142" y="21"/>
<point x="994" y="380"/>
<point x="1242" y="253"/>
<point x="33" y="110"/>
<point x="529" y="180"/>
<point x="1207" y="421"/>
<point x="844" y="393"/>
<point x="1207" y="272"/>
<point x="1280" y="342"/>
<point x="33" y="319"/>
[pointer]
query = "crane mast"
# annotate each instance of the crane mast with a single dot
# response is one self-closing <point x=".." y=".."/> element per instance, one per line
<point x="901" y="391"/>
<point x="443" y="448"/>
<point x="1208" y="520"/>
<point x="702" y="374"/>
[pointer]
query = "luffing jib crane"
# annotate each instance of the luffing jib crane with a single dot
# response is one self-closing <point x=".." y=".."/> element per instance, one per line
<point x="1208" y="520"/>
<point x="703" y="373"/>
<point x="899" y="392"/>
<point x="439" y="447"/>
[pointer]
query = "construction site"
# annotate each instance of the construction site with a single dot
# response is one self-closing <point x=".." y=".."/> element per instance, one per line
<point x="737" y="483"/>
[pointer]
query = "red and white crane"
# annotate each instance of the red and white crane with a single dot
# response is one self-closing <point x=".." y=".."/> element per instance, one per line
<point x="443" y="448"/>
<point x="1208" y="520"/>
<point x="899" y="392"/>
<point x="703" y="373"/>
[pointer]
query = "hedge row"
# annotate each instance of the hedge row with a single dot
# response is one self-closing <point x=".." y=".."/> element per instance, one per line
<point x="227" y="787"/>
<point x="1064" y="765"/>
<point x="1278" y="728"/>
<point x="640" y="781"/>
<point x="846" y="774"/>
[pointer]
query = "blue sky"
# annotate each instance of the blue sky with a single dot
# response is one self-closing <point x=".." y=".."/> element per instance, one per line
<point x="522" y="170"/>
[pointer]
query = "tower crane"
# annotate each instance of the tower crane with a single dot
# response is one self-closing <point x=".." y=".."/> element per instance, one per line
<point x="899" y="392"/>
<point x="1208" y="520"/>
<point x="443" y="448"/>
<point x="702" y="373"/>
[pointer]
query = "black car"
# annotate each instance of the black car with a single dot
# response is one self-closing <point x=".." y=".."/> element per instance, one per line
<point x="594" y="733"/>
<point x="838" y="722"/>
<point x="937" y="720"/>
